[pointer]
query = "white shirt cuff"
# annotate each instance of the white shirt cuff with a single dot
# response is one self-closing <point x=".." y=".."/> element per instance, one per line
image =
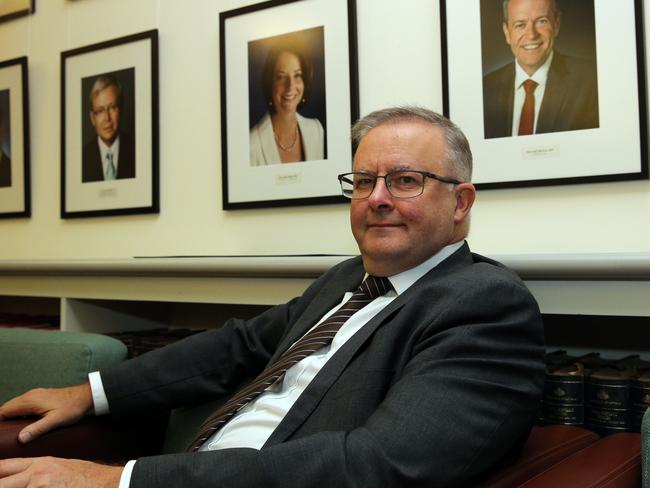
<point x="100" y="402"/>
<point x="125" y="479"/>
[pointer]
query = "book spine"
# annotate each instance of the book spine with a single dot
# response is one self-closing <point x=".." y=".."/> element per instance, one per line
<point x="564" y="400"/>
<point x="607" y="405"/>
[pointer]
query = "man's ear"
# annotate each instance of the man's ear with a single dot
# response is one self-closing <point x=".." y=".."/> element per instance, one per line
<point x="465" y="196"/>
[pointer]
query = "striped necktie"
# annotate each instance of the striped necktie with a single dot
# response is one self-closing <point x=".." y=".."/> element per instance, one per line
<point x="320" y="336"/>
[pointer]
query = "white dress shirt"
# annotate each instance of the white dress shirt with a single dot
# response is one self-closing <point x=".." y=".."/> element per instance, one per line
<point x="104" y="149"/>
<point x="540" y="77"/>
<point x="253" y="425"/>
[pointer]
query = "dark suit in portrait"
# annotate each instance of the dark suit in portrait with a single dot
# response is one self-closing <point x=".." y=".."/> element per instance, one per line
<point x="91" y="163"/>
<point x="437" y="387"/>
<point x="570" y="99"/>
<point x="5" y="170"/>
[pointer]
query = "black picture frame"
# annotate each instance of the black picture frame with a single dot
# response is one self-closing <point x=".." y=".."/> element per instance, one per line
<point x="130" y="63"/>
<point x="473" y="46"/>
<point x="326" y="31"/>
<point x="26" y="7"/>
<point x="15" y="179"/>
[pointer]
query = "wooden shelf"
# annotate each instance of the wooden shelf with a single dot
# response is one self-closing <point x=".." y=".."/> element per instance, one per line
<point x="103" y="295"/>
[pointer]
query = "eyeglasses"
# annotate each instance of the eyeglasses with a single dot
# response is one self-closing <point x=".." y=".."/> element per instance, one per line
<point x="400" y="184"/>
<point x="112" y="109"/>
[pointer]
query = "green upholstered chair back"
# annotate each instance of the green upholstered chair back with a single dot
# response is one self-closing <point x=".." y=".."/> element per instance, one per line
<point x="41" y="358"/>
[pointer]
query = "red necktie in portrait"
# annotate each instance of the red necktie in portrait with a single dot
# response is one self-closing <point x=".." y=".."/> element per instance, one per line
<point x="527" y="120"/>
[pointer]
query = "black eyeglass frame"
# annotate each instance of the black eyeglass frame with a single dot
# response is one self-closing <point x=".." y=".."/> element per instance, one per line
<point x="442" y="179"/>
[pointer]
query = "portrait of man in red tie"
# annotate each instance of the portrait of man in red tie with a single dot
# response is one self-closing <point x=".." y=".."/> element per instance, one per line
<point x="546" y="87"/>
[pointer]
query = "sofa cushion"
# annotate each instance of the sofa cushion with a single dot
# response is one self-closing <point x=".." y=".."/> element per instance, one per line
<point x="42" y="358"/>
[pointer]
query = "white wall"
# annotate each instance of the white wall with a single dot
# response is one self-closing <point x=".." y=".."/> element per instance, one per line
<point x="399" y="62"/>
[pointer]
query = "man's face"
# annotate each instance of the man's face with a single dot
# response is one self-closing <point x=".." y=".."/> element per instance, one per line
<point x="531" y="29"/>
<point x="396" y="234"/>
<point x="105" y="114"/>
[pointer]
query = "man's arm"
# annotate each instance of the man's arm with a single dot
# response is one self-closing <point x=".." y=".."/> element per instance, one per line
<point x="216" y="363"/>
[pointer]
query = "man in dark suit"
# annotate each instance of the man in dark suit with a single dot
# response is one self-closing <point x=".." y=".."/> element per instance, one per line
<point x="563" y="93"/>
<point x="111" y="155"/>
<point x="5" y="161"/>
<point x="432" y="383"/>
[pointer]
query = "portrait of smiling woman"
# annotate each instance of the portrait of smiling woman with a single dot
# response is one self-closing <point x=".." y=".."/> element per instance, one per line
<point x="286" y="82"/>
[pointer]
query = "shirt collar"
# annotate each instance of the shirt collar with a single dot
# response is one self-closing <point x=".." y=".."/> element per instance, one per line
<point x="402" y="281"/>
<point x="538" y="76"/>
<point x="103" y="148"/>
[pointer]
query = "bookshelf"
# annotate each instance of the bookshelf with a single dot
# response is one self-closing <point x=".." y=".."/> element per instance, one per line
<point x="141" y="293"/>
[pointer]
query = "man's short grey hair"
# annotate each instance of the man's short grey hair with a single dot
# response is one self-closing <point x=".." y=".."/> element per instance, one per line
<point x="102" y="82"/>
<point x="459" y="154"/>
<point x="507" y="2"/>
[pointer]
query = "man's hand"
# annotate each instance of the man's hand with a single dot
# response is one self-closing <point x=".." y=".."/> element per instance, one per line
<point x="56" y="407"/>
<point x="56" y="472"/>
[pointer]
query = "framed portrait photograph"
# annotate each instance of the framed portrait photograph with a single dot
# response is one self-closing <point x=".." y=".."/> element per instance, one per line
<point x="11" y="9"/>
<point x="288" y="97"/>
<point x="548" y="92"/>
<point x="109" y="127"/>
<point x="14" y="139"/>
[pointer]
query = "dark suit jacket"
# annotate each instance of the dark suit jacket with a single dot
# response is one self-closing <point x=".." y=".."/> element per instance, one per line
<point x="433" y="391"/>
<point x="570" y="99"/>
<point x="91" y="162"/>
<point x="5" y="170"/>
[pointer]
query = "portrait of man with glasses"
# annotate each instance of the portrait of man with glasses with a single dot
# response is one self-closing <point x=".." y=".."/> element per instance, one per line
<point x="110" y="152"/>
<point x="417" y="363"/>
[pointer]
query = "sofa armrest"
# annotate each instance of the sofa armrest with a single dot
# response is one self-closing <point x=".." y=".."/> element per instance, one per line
<point x="93" y="438"/>
<point x="545" y="447"/>
<point x="612" y="462"/>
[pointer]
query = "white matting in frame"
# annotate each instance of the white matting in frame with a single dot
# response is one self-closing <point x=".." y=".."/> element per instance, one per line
<point x="133" y="58"/>
<point x="15" y="198"/>
<point x="614" y="150"/>
<point x="299" y="183"/>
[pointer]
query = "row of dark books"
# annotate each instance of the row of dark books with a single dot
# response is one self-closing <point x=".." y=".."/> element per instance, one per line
<point x="29" y="321"/>
<point x="603" y="395"/>
<point x="139" y="342"/>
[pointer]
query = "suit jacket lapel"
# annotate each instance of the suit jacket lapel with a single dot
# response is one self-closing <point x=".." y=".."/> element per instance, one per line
<point x="267" y="139"/>
<point x="554" y="96"/>
<point x="507" y="100"/>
